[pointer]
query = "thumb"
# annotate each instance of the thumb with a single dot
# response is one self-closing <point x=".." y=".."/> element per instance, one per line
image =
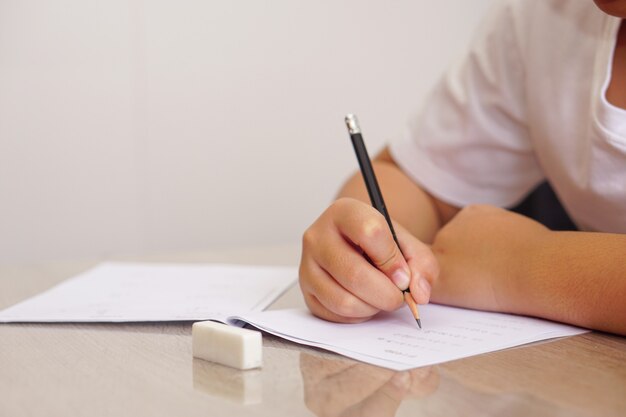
<point x="386" y="255"/>
<point x="368" y="229"/>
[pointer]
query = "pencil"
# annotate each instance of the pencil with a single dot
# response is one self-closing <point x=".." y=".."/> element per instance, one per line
<point x="376" y="197"/>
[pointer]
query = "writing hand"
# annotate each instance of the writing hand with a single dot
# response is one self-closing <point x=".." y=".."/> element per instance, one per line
<point x="337" y="280"/>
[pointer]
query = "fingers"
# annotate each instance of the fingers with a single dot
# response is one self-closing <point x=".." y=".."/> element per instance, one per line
<point x="366" y="228"/>
<point x="422" y="263"/>
<point x="330" y="301"/>
<point x="353" y="272"/>
<point x="351" y="267"/>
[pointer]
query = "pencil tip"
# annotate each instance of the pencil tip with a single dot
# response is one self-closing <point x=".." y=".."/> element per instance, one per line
<point x="419" y="322"/>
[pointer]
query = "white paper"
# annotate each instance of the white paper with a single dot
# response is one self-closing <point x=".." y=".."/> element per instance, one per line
<point x="130" y="292"/>
<point x="125" y="292"/>
<point x="394" y="341"/>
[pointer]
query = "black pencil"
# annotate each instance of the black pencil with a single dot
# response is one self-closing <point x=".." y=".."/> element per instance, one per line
<point x="376" y="197"/>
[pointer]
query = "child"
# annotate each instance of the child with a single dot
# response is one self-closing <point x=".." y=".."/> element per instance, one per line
<point x="540" y="96"/>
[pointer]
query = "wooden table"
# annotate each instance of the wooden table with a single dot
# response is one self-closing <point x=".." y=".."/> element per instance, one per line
<point x="148" y="369"/>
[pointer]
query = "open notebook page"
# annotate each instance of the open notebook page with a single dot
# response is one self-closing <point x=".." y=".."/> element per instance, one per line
<point x="129" y="292"/>
<point x="394" y="341"/>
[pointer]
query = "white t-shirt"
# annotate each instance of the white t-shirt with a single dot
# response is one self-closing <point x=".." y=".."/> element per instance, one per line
<point x="527" y="103"/>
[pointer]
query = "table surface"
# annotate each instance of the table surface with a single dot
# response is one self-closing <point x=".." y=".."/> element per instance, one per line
<point x="147" y="369"/>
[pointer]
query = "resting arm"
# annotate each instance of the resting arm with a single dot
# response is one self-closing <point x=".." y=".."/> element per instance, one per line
<point x="493" y="259"/>
<point x="578" y="278"/>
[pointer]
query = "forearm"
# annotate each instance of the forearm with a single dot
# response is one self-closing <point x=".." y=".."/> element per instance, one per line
<point x="407" y="203"/>
<point x="575" y="277"/>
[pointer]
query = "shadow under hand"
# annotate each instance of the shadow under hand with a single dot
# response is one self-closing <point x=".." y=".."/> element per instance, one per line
<point x="341" y="387"/>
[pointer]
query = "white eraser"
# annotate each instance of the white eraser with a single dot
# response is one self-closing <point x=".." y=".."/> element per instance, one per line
<point x="227" y="345"/>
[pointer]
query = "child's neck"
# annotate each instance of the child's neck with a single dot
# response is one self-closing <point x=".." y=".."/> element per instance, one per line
<point x="616" y="93"/>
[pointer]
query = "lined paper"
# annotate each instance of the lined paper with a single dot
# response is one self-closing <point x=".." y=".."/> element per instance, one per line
<point x="393" y="340"/>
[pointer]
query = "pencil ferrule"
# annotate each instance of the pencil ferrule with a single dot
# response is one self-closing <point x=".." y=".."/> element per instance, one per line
<point x="353" y="124"/>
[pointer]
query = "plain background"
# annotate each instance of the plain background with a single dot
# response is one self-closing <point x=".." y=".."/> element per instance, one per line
<point x="136" y="127"/>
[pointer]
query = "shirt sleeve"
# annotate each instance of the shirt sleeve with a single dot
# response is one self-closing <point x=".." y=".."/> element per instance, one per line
<point x="470" y="144"/>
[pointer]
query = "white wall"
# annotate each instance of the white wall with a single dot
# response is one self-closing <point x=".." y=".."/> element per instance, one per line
<point x="132" y="127"/>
